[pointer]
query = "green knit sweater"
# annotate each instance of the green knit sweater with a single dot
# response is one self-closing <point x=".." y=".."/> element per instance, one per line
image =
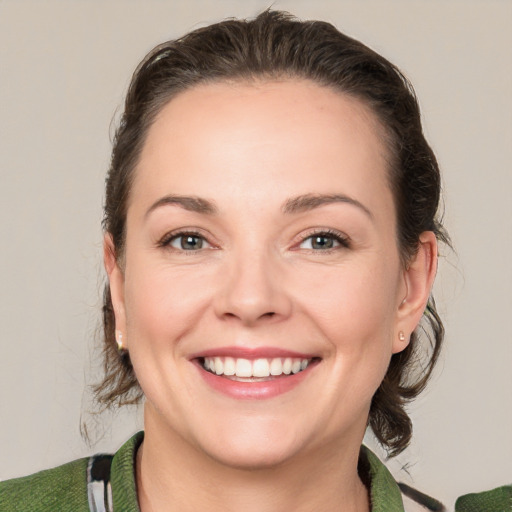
<point x="64" y="489"/>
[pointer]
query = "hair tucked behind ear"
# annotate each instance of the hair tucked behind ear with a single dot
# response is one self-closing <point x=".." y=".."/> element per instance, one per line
<point x="275" y="46"/>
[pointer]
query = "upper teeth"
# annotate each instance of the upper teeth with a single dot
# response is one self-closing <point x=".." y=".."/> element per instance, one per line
<point x="255" y="368"/>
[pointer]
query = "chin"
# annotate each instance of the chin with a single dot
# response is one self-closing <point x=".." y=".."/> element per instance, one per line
<point x="251" y="456"/>
<point x="253" y="443"/>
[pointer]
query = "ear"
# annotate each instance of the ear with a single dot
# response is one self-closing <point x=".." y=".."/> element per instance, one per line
<point x="418" y="280"/>
<point x="116" y="283"/>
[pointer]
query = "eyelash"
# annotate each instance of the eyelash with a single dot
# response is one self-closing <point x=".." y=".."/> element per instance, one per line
<point x="332" y="234"/>
<point x="336" y="236"/>
<point x="166" y="241"/>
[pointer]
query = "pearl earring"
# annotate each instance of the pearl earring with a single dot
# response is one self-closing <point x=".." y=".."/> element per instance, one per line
<point x="401" y="336"/>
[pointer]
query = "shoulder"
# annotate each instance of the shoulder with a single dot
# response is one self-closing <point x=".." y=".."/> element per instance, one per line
<point x="497" y="500"/>
<point x="61" y="488"/>
<point x="102" y="480"/>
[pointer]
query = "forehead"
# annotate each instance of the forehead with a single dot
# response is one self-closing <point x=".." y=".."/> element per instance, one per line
<point x="235" y="139"/>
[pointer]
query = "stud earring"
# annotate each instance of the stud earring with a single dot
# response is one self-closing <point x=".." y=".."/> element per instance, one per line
<point x="119" y="341"/>
<point x="401" y="336"/>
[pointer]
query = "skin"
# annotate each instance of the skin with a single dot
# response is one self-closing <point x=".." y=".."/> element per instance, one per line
<point x="258" y="281"/>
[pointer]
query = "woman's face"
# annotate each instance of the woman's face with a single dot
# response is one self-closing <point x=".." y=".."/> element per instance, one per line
<point x="261" y="242"/>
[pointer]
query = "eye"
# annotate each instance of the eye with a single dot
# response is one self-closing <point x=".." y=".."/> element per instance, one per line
<point x="323" y="241"/>
<point x="186" y="242"/>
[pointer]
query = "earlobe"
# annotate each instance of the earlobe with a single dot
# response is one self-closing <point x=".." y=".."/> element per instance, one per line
<point x="116" y="283"/>
<point x="419" y="277"/>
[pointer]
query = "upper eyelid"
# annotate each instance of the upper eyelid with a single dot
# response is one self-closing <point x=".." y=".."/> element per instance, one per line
<point x="325" y="232"/>
<point x="343" y="239"/>
<point x="172" y="235"/>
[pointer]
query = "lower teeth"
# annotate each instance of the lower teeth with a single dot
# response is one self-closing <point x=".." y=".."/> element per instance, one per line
<point x="248" y="379"/>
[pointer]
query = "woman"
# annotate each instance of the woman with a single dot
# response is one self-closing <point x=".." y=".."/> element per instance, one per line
<point x="270" y="243"/>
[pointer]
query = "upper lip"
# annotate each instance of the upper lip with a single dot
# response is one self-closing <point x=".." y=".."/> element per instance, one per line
<point x="251" y="353"/>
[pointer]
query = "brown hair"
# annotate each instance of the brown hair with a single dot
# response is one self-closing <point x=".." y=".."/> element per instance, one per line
<point x="275" y="45"/>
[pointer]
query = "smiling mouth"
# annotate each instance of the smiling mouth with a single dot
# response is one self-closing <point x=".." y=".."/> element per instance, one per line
<point x="256" y="370"/>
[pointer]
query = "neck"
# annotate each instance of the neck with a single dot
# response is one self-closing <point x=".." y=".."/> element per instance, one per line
<point x="172" y="475"/>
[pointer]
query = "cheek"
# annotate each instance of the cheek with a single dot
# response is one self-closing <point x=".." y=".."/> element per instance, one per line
<point x="354" y="298"/>
<point x="163" y="304"/>
<point x="162" y="307"/>
<point x="355" y="310"/>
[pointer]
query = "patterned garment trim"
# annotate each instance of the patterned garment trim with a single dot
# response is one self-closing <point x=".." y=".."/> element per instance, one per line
<point x="99" y="490"/>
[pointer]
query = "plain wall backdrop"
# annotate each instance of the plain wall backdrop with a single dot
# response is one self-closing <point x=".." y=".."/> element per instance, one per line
<point x="64" y="66"/>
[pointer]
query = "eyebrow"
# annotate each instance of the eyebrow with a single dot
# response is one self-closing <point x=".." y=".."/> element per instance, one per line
<point x="307" y="202"/>
<point x="293" y="205"/>
<point x="190" y="203"/>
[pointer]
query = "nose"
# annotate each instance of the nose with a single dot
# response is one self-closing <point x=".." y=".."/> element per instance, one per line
<point x="253" y="291"/>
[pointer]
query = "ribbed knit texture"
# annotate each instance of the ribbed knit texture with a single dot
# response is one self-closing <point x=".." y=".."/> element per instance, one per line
<point x="62" y="489"/>
<point x="497" y="500"/>
<point x="385" y="494"/>
<point x="122" y="476"/>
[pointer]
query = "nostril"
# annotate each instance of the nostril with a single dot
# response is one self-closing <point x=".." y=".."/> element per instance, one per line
<point x="270" y="314"/>
<point x="248" y="319"/>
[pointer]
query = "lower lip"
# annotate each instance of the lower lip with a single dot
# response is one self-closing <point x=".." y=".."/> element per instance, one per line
<point x="254" y="390"/>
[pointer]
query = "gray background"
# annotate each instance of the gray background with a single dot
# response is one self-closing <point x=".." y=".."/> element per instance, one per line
<point x="64" y="68"/>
